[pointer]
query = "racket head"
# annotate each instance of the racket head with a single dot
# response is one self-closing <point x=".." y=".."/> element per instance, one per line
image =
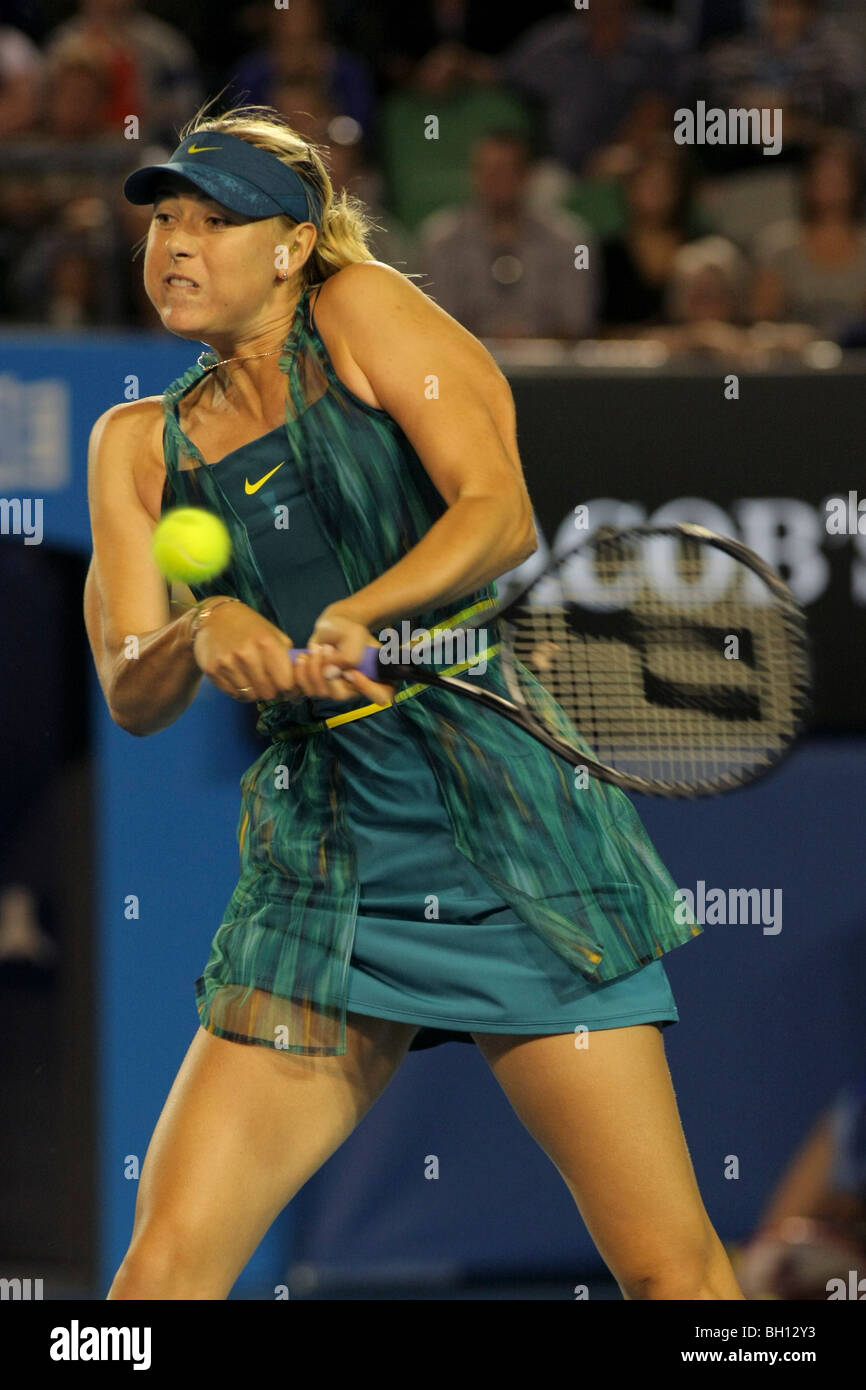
<point x="666" y="659"/>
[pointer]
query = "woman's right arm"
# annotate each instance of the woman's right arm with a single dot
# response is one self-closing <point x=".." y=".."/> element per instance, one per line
<point x="143" y="656"/>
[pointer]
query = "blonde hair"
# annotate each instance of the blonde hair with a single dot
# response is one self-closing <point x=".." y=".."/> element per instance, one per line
<point x="345" y="224"/>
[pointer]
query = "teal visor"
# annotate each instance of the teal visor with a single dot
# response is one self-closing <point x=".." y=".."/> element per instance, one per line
<point x="236" y="174"/>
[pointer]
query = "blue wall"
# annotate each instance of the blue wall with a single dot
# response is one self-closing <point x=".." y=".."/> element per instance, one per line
<point x="51" y="391"/>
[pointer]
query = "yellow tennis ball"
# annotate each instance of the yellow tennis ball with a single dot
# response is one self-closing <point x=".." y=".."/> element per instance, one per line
<point x="190" y="543"/>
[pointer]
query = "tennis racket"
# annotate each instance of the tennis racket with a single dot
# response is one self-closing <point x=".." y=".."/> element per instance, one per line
<point x="678" y="660"/>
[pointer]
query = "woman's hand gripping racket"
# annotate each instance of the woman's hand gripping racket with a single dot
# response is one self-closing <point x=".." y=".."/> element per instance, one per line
<point x="679" y="661"/>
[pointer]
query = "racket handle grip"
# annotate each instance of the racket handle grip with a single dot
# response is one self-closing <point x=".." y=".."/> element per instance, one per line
<point x="368" y="665"/>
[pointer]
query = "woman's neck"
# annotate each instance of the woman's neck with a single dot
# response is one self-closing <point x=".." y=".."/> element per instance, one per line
<point x="256" y="348"/>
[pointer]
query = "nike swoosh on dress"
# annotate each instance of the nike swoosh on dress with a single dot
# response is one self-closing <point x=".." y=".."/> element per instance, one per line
<point x="254" y="487"/>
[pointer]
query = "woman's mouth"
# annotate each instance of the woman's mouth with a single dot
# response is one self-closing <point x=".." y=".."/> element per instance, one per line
<point x="180" y="282"/>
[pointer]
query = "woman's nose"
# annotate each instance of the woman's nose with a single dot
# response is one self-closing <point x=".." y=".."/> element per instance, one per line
<point x="178" y="242"/>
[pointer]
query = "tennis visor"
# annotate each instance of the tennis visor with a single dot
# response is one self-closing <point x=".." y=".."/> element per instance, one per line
<point x="236" y="174"/>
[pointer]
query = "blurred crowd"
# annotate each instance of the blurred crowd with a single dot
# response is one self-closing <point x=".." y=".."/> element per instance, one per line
<point x="519" y="162"/>
<point x="810" y="1240"/>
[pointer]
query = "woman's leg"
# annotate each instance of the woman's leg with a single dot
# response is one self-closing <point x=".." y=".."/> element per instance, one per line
<point x="607" y="1118"/>
<point x="242" y="1130"/>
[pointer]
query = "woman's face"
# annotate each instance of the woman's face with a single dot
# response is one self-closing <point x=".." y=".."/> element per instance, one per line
<point x="231" y="261"/>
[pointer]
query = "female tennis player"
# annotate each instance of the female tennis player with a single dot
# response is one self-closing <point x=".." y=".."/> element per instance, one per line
<point x="413" y="868"/>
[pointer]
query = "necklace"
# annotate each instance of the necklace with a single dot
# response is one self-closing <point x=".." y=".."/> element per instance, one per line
<point x="204" y="356"/>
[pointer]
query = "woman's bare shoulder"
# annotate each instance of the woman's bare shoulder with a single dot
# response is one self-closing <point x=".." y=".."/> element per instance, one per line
<point x="361" y="279"/>
<point x="129" y="419"/>
<point x="332" y="304"/>
<point x="368" y="314"/>
<point x="129" y="436"/>
<point x="371" y="302"/>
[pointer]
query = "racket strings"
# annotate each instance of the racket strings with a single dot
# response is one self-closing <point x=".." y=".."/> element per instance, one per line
<point x="670" y="687"/>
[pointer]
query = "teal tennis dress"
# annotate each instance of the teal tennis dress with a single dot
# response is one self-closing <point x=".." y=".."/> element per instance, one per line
<point x="426" y="861"/>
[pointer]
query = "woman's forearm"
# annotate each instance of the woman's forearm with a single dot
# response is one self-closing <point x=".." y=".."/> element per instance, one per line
<point x="153" y="688"/>
<point x="474" y="541"/>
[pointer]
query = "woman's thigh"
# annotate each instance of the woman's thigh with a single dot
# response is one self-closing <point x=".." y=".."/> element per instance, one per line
<point x="606" y="1115"/>
<point x="242" y="1129"/>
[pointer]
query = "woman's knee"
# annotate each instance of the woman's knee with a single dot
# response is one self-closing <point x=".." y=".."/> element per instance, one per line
<point x="700" y="1270"/>
<point x="684" y="1280"/>
<point x="164" y="1262"/>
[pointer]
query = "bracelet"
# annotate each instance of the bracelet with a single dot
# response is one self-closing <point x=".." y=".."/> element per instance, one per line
<point x="203" y="612"/>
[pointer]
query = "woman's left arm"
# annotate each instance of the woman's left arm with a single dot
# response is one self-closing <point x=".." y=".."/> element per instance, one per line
<point x="455" y="406"/>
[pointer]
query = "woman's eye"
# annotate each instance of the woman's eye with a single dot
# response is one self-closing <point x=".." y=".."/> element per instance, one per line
<point x="222" y="221"/>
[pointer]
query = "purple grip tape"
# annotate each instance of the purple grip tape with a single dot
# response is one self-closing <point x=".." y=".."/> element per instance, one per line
<point x="368" y="665"/>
